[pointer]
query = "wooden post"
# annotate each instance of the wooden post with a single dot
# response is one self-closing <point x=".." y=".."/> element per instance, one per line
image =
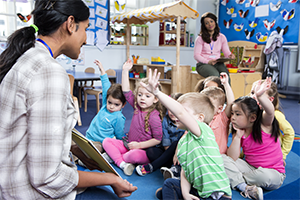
<point x="128" y="40"/>
<point x="177" y="78"/>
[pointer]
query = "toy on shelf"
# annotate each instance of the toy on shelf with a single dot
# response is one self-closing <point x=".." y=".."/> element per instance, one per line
<point x="135" y="59"/>
<point x="248" y="62"/>
<point x="143" y="61"/>
<point x="157" y="61"/>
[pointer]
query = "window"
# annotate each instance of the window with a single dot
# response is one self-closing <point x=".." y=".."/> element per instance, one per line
<point x="9" y="21"/>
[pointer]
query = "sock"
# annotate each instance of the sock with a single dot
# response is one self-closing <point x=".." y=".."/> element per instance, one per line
<point x="241" y="186"/>
<point x="148" y="167"/>
<point x="122" y="165"/>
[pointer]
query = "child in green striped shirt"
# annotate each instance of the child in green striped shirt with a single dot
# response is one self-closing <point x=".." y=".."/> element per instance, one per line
<point x="203" y="174"/>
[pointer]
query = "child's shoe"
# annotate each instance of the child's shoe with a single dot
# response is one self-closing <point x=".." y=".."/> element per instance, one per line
<point x="142" y="169"/>
<point x="128" y="169"/>
<point x="107" y="158"/>
<point x="173" y="172"/>
<point x="158" y="193"/>
<point x="253" y="192"/>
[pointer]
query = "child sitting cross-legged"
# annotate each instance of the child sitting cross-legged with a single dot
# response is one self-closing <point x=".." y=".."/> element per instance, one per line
<point x="162" y="155"/>
<point x="202" y="174"/>
<point x="145" y="129"/>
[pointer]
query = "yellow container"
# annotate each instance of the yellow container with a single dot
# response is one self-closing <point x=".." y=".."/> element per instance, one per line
<point x="232" y="70"/>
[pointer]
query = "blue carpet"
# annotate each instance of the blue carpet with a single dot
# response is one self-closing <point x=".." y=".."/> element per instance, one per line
<point x="148" y="184"/>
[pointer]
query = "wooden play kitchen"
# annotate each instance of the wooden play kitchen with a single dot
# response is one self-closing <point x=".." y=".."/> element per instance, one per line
<point x="177" y="11"/>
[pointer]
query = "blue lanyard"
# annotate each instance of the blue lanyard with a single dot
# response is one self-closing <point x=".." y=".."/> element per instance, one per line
<point x="46" y="45"/>
<point x="212" y="46"/>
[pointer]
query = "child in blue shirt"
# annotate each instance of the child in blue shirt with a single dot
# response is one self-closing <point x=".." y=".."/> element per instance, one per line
<point x="110" y="121"/>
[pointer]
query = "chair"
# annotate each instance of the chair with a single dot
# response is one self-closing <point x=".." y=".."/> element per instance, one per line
<point x="85" y="84"/>
<point x="74" y="98"/>
<point x="96" y="91"/>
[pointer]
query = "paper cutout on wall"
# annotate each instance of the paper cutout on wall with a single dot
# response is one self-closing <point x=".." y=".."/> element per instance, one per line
<point x="227" y="23"/>
<point x="24" y="18"/>
<point x="254" y="23"/>
<point x="293" y="1"/>
<point x="119" y="7"/>
<point x="275" y="7"/>
<point x="238" y="27"/>
<point x="268" y="24"/>
<point x="282" y="31"/>
<point x="249" y="34"/>
<point x="262" y="38"/>
<point x="240" y="1"/>
<point x="254" y="3"/>
<point x="287" y="15"/>
<point x="224" y="2"/>
<point x="230" y="10"/>
<point x="243" y="14"/>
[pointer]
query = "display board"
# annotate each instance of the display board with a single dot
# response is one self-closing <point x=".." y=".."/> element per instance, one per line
<point x="98" y="33"/>
<point x="255" y="20"/>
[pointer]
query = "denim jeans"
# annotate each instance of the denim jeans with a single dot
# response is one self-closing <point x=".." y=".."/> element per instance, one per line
<point x="171" y="190"/>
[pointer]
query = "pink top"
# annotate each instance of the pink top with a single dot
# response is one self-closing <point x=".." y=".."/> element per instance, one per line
<point x="137" y="127"/>
<point x="203" y="52"/>
<point x="220" y="127"/>
<point x="265" y="155"/>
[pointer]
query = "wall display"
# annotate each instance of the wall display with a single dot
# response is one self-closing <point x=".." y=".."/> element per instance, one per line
<point x="98" y="31"/>
<point x="255" y="20"/>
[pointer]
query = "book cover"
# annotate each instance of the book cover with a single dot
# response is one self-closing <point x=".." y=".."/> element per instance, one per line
<point x="91" y="151"/>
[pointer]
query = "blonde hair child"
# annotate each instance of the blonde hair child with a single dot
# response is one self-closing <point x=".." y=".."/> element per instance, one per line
<point x="145" y="129"/>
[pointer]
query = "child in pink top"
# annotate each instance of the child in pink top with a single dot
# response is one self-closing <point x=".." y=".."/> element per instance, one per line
<point x="220" y="122"/>
<point x="145" y="129"/>
<point x="257" y="132"/>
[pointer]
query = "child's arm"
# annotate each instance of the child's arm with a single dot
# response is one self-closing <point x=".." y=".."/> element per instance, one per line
<point x="144" y="145"/>
<point x="99" y="64"/>
<point x="174" y="106"/>
<point x="125" y="75"/>
<point x="229" y="93"/>
<point x="234" y="149"/>
<point x="186" y="187"/>
<point x="266" y="104"/>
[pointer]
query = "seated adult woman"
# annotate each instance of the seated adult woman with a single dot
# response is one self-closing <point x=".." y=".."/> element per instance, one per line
<point x="208" y="45"/>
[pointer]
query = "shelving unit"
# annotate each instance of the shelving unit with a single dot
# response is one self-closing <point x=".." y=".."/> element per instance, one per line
<point x="248" y="50"/>
<point x="139" y="35"/>
<point x="167" y="33"/>
<point x="165" y="82"/>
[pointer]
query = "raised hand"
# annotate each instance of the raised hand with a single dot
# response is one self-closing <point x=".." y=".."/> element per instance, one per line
<point x="127" y="65"/>
<point x="260" y="88"/>
<point x="99" y="64"/>
<point x="153" y="82"/>
<point x="224" y="78"/>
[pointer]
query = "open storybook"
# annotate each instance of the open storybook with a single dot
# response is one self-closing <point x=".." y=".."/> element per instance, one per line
<point x="91" y="151"/>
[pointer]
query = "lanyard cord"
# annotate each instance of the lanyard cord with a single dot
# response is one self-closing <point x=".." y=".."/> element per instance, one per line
<point x="211" y="46"/>
<point x="46" y="45"/>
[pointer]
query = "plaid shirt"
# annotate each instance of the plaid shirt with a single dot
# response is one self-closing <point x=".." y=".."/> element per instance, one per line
<point x="36" y="115"/>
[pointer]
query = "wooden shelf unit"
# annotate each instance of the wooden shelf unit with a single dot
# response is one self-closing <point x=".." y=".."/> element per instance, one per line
<point x="167" y="33"/>
<point x="249" y="50"/>
<point x="168" y="86"/>
<point x="141" y="36"/>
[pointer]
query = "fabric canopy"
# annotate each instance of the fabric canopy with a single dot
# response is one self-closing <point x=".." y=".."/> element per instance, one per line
<point x="168" y="11"/>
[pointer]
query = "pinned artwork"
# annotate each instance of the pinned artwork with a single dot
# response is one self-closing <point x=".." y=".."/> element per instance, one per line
<point x="119" y="7"/>
<point x="238" y="27"/>
<point x="240" y="1"/>
<point x="254" y="3"/>
<point x="275" y="7"/>
<point x="287" y="15"/>
<point x="268" y="24"/>
<point x="249" y="34"/>
<point x="293" y="1"/>
<point x="282" y="31"/>
<point x="24" y="18"/>
<point x="262" y="38"/>
<point x="230" y="10"/>
<point x="254" y="23"/>
<point x="243" y="14"/>
<point x="227" y="23"/>
<point x="224" y="2"/>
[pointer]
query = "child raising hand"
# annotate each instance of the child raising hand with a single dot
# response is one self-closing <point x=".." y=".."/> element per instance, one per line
<point x="257" y="132"/>
<point x="145" y="129"/>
